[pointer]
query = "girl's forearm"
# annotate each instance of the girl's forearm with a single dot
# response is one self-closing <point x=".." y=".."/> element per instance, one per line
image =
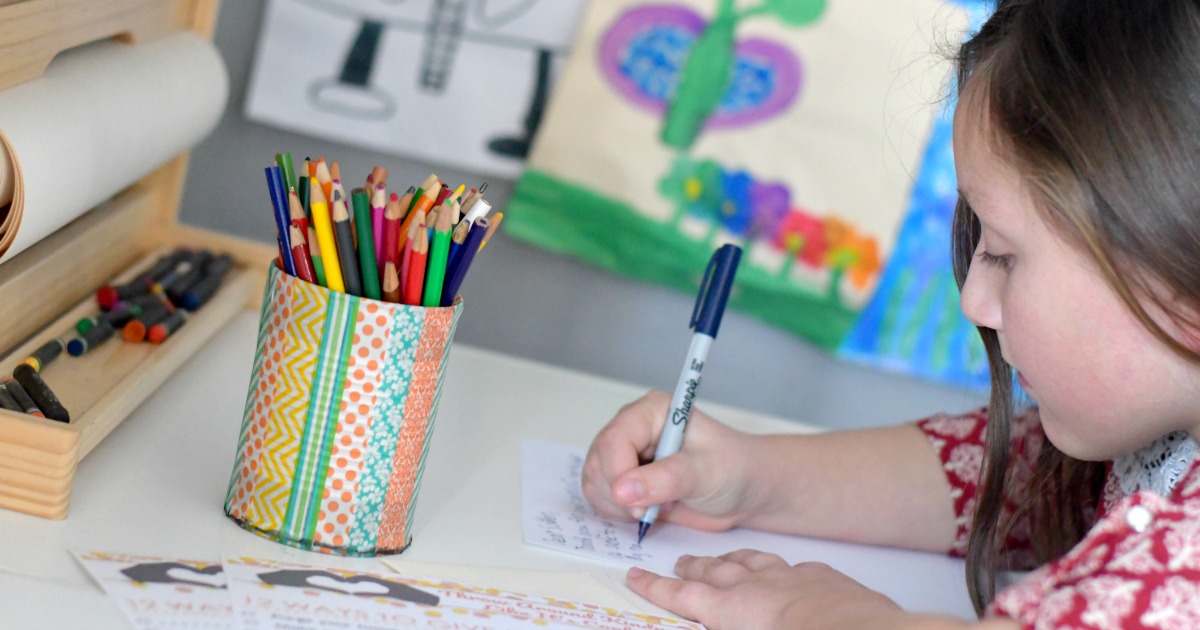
<point x="880" y="486"/>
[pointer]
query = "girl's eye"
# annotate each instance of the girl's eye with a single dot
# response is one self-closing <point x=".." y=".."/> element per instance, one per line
<point x="1003" y="261"/>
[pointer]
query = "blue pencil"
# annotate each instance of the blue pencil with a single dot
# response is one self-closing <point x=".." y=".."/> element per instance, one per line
<point x="280" y="201"/>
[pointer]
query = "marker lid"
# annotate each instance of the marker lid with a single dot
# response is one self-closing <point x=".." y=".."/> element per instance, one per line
<point x="714" y="290"/>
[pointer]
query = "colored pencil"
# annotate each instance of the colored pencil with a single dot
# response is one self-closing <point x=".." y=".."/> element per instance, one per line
<point x="455" y="277"/>
<point x="414" y="282"/>
<point x="439" y="250"/>
<point x="378" y="205"/>
<point x="302" y="191"/>
<point x="421" y="206"/>
<point x="392" y="217"/>
<point x="456" y="245"/>
<point x="279" y="201"/>
<point x="284" y="160"/>
<point x="495" y="223"/>
<point x="325" y="240"/>
<point x="335" y="171"/>
<point x="367" y="262"/>
<point x="391" y="282"/>
<point x="296" y="214"/>
<point x="304" y="267"/>
<point x="314" y="252"/>
<point x="406" y="256"/>
<point x="344" y="237"/>
<point x="442" y="195"/>
<point x="324" y="179"/>
<point x="479" y="209"/>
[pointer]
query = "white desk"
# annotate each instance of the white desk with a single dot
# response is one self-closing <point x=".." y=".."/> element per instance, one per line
<point x="156" y="486"/>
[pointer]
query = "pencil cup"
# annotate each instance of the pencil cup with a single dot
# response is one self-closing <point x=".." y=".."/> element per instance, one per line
<point x="338" y="418"/>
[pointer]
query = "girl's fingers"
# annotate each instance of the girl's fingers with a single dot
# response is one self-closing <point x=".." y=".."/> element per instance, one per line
<point x="755" y="560"/>
<point x="687" y="599"/>
<point x="713" y="571"/>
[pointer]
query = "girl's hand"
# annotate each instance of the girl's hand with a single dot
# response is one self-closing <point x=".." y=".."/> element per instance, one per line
<point x="748" y="590"/>
<point x="707" y="480"/>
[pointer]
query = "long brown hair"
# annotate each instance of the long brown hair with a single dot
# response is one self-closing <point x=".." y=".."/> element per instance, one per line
<point x="1097" y="103"/>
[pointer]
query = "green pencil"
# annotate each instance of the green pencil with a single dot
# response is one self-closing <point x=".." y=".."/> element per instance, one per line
<point x="284" y="160"/>
<point x="366" y="243"/>
<point x="435" y="270"/>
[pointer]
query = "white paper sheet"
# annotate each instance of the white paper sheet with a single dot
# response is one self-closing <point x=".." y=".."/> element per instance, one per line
<point x="100" y="118"/>
<point x="556" y="515"/>
<point x="163" y="593"/>
<point x="445" y="81"/>
<point x="272" y="595"/>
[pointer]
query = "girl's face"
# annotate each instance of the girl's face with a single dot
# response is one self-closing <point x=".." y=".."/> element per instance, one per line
<point x="1104" y="384"/>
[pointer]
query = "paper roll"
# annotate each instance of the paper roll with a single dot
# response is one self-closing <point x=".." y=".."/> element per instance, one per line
<point x="100" y="118"/>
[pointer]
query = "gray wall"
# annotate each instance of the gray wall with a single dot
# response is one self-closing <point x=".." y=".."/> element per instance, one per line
<point x="531" y="303"/>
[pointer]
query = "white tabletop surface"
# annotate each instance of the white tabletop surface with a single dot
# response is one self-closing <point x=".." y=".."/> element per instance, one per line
<point x="156" y="485"/>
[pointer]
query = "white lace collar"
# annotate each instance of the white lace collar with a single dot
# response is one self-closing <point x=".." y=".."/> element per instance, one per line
<point x="1158" y="466"/>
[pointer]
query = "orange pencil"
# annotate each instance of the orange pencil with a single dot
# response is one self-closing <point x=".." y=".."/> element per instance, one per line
<point x="414" y="282"/>
<point x="335" y="170"/>
<point x="324" y="178"/>
<point x="422" y="206"/>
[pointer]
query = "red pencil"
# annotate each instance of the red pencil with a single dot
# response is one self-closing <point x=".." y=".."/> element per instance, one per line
<point x="392" y="217"/>
<point x="441" y="196"/>
<point x="414" y="283"/>
<point x="304" y="267"/>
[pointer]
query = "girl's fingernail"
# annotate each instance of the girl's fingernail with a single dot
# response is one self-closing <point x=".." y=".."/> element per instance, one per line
<point x="637" y="513"/>
<point x="631" y="491"/>
<point x="635" y="573"/>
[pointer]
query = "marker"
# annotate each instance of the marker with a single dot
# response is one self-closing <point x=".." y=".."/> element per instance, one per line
<point x="41" y="393"/>
<point x="94" y="336"/>
<point x="706" y="319"/>
<point x="8" y="402"/>
<point x="167" y="327"/>
<point x="208" y="285"/>
<point x="19" y="394"/>
<point x="46" y="354"/>
<point x="108" y="295"/>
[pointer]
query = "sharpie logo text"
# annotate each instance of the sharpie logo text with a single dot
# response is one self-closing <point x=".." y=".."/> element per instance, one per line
<point x="681" y="414"/>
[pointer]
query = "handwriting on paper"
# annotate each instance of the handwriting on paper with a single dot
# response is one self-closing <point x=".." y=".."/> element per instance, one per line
<point x="558" y="516"/>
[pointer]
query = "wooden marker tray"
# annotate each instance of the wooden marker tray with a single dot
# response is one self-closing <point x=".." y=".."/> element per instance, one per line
<point x="48" y="287"/>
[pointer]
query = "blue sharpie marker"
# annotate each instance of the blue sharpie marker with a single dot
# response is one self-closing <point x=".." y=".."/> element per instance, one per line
<point x="706" y="319"/>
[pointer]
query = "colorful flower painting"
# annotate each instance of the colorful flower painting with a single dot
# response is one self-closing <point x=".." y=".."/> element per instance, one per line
<point x="682" y="125"/>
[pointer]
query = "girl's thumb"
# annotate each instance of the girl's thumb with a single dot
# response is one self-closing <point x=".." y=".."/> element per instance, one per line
<point x="658" y="482"/>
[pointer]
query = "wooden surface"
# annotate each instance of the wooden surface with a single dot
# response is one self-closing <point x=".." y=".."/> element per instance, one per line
<point x="34" y="31"/>
<point x="50" y="285"/>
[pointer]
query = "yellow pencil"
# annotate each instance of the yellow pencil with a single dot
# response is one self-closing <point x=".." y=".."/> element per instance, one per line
<point x="324" y="227"/>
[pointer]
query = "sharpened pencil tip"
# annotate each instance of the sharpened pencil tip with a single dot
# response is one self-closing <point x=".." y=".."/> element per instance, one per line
<point x="643" y="527"/>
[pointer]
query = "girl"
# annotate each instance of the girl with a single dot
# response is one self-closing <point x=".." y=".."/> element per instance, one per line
<point x="1076" y="242"/>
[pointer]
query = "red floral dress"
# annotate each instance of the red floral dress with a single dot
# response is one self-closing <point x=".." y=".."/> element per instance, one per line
<point x="1138" y="567"/>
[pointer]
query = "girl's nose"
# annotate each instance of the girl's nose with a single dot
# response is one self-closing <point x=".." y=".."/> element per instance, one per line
<point x="980" y="299"/>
